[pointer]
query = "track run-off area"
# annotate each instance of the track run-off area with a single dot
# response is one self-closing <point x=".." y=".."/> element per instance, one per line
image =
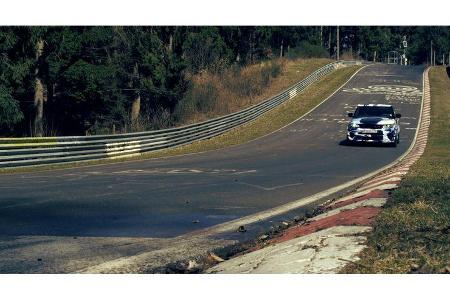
<point x="56" y="221"/>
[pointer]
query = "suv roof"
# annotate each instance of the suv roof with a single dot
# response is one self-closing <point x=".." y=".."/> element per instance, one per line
<point x="383" y="105"/>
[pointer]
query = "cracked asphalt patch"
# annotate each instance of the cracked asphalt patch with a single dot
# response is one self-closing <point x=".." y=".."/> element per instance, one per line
<point x="325" y="251"/>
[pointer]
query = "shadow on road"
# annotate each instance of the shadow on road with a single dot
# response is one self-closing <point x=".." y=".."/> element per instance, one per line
<point x="347" y="143"/>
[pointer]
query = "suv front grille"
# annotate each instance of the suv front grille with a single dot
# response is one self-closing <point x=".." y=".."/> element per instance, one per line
<point x="370" y="126"/>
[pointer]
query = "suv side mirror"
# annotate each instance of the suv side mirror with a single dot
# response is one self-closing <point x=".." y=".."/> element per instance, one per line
<point x="350" y="115"/>
<point x="398" y="116"/>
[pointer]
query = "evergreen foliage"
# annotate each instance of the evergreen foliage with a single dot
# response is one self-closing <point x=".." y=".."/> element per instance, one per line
<point x="93" y="77"/>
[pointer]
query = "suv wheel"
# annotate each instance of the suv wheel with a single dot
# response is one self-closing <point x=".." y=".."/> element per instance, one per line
<point x="395" y="143"/>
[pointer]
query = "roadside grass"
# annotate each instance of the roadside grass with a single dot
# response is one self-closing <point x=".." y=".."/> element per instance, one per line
<point x="214" y="94"/>
<point x="411" y="235"/>
<point x="274" y="119"/>
<point x="269" y="122"/>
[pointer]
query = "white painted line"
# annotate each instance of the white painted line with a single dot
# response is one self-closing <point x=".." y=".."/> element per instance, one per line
<point x="269" y="188"/>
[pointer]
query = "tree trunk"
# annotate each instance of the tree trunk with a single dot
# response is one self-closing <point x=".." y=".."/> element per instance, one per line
<point x="136" y="105"/>
<point x="321" y="36"/>
<point x="337" y="43"/>
<point x="170" y="43"/>
<point x="281" y="48"/>
<point x="329" y="41"/>
<point x="135" y="111"/>
<point x="252" y="46"/>
<point x="39" y="94"/>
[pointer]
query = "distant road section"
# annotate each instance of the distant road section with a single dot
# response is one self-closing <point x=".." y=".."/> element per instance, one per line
<point x="167" y="197"/>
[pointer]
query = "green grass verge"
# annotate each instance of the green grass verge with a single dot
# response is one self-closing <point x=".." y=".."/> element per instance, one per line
<point x="269" y="122"/>
<point x="275" y="119"/>
<point x="411" y="235"/>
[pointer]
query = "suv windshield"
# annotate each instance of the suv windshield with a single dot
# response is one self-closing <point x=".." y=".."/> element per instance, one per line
<point x="374" y="111"/>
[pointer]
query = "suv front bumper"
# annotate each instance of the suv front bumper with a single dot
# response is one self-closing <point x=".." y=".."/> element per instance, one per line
<point x="373" y="136"/>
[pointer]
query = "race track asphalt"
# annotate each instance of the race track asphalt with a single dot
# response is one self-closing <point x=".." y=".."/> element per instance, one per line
<point x="167" y="197"/>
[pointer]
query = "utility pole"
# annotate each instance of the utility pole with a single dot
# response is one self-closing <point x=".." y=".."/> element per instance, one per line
<point x="337" y="43"/>
<point x="434" y="57"/>
<point x="443" y="59"/>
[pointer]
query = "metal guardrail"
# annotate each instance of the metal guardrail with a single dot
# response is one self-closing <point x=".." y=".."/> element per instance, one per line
<point x="18" y="152"/>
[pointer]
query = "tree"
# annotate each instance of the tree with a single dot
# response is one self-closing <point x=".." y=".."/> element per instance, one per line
<point x="204" y="49"/>
<point x="16" y="64"/>
<point x="10" y="112"/>
<point x="73" y="80"/>
<point x="39" y="90"/>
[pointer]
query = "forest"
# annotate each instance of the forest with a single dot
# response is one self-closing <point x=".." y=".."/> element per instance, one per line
<point x="63" y="80"/>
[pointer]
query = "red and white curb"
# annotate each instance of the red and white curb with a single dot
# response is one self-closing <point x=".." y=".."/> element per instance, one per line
<point x="332" y="239"/>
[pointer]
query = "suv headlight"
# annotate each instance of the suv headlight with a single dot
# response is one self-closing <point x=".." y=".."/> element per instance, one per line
<point x="388" y="126"/>
<point x="352" y="126"/>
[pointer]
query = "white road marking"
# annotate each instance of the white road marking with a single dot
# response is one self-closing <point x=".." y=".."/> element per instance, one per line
<point x="403" y="93"/>
<point x="183" y="171"/>
<point x="269" y="188"/>
<point x="245" y="172"/>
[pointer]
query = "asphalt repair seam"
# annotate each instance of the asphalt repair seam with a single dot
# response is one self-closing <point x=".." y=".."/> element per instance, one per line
<point x="334" y="238"/>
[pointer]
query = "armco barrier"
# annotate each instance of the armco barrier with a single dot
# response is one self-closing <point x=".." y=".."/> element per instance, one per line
<point x="18" y="152"/>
